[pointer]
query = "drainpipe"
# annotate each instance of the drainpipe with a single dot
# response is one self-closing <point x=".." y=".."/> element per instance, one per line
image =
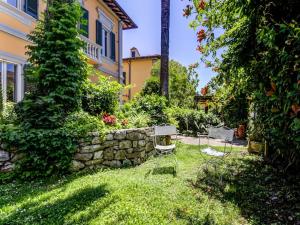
<point x="129" y="79"/>
<point x="120" y="50"/>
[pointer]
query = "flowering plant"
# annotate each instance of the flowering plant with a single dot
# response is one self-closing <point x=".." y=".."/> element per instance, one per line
<point x="109" y="119"/>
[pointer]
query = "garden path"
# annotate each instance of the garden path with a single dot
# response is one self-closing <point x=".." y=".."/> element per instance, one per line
<point x="212" y="142"/>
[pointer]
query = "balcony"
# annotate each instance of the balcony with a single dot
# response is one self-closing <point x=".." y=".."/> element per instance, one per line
<point x="92" y="50"/>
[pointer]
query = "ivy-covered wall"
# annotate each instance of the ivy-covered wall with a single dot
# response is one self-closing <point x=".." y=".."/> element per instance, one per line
<point x="129" y="147"/>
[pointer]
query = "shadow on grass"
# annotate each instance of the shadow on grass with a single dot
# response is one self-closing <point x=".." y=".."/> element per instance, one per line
<point x="16" y="191"/>
<point x="262" y="194"/>
<point x="61" y="211"/>
<point x="164" y="170"/>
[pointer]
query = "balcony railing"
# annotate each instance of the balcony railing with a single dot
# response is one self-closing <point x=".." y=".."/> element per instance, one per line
<point x="91" y="49"/>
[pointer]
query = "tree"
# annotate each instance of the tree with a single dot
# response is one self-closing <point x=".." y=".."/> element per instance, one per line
<point x="164" y="68"/>
<point x="261" y="38"/>
<point x="182" y="85"/>
<point x="56" y="68"/>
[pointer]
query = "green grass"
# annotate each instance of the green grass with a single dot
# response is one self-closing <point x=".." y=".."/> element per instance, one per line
<point x="145" y="195"/>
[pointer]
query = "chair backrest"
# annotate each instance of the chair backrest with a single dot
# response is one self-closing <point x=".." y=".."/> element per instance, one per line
<point x="221" y="133"/>
<point x="165" y="130"/>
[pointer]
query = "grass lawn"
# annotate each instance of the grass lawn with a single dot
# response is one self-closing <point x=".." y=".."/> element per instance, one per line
<point x="250" y="193"/>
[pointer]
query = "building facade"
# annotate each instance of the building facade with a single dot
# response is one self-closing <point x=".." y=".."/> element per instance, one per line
<point x="137" y="69"/>
<point x="102" y="36"/>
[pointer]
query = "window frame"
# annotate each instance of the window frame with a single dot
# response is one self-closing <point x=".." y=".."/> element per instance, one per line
<point x="21" y="6"/>
<point x="18" y="81"/>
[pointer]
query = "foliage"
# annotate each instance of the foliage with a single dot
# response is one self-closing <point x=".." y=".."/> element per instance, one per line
<point x="56" y="66"/>
<point x="154" y="105"/>
<point x="109" y="119"/>
<point x="139" y="120"/>
<point x="182" y="86"/>
<point x="261" y="39"/>
<point x="152" y="86"/>
<point x="8" y="114"/>
<point x="229" y="102"/>
<point x="101" y="95"/>
<point x="192" y="121"/>
<point x="58" y="71"/>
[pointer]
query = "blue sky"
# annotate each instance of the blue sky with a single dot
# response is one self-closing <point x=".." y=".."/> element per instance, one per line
<point x="183" y="43"/>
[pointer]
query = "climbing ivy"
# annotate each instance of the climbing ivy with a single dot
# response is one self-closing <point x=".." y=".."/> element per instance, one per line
<point x="261" y="38"/>
<point x="45" y="136"/>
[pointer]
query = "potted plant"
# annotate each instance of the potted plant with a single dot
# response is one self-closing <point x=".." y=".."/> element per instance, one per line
<point x="255" y="138"/>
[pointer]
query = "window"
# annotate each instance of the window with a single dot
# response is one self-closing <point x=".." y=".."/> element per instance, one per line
<point x="31" y="8"/>
<point x="108" y="44"/>
<point x="84" y="25"/>
<point x="28" y="6"/>
<point x="11" y="81"/>
<point x="105" y="44"/>
<point x="133" y="54"/>
<point x="11" y="76"/>
<point x="13" y="3"/>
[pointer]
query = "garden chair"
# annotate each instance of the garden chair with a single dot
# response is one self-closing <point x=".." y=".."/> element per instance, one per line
<point x="168" y="148"/>
<point x="226" y="135"/>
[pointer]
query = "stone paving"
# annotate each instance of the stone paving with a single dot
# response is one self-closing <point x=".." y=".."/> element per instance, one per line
<point x="212" y="142"/>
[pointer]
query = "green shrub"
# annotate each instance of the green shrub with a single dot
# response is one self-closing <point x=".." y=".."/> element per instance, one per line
<point x="193" y="121"/>
<point x="139" y="120"/>
<point x="154" y="105"/>
<point x="152" y="86"/>
<point x="101" y="96"/>
<point x="8" y="114"/>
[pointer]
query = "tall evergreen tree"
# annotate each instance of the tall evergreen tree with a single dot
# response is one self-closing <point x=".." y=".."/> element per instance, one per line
<point x="57" y="68"/>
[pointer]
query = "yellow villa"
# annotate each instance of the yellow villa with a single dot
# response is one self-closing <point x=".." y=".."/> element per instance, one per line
<point x="106" y="21"/>
<point x="137" y="69"/>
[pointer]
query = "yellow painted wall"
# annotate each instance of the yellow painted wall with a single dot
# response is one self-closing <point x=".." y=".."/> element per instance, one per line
<point x="16" y="46"/>
<point x="140" y="72"/>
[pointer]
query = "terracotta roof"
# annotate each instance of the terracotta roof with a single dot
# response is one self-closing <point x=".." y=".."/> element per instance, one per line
<point x="119" y="11"/>
<point x="144" y="57"/>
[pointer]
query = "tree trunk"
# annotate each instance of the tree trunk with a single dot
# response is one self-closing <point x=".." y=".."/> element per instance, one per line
<point x="164" y="67"/>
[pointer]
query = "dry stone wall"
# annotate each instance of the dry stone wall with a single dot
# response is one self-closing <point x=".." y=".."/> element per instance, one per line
<point x="121" y="148"/>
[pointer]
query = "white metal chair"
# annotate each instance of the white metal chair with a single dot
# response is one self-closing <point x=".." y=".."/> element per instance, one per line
<point x="168" y="148"/>
<point x="226" y="135"/>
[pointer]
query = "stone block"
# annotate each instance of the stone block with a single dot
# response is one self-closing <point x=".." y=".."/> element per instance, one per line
<point x="98" y="155"/>
<point x="108" y="154"/>
<point x="130" y="150"/>
<point x="127" y="163"/>
<point x="135" y="136"/>
<point x="109" y="137"/>
<point x="7" y="167"/>
<point x="91" y="148"/>
<point x="94" y="162"/>
<point x="113" y="163"/>
<point x="4" y="156"/>
<point x="110" y="143"/>
<point x="120" y="155"/>
<point x="149" y="147"/>
<point x="134" y="144"/>
<point x="125" y="144"/>
<point x="120" y="135"/>
<point x="76" y="166"/>
<point x="142" y="143"/>
<point x="83" y="156"/>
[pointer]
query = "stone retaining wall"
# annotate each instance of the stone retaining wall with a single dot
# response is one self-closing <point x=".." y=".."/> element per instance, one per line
<point x="119" y="148"/>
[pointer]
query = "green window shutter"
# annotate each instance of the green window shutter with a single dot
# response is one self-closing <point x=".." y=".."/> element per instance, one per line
<point x="98" y="32"/>
<point x="112" y="46"/>
<point x="84" y="25"/>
